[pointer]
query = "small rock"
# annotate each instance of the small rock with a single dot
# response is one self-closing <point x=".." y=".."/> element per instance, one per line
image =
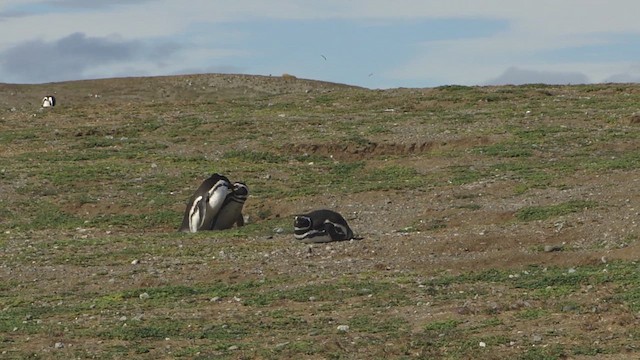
<point x="59" y="345"/>
<point x="232" y="348"/>
<point x="144" y="296"/>
<point x="463" y="310"/>
<point x="482" y="344"/>
<point x="552" y="248"/>
<point x="343" y="328"/>
<point x="135" y="262"/>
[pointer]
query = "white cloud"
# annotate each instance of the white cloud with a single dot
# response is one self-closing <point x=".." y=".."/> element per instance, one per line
<point x="73" y="55"/>
<point x="534" y="29"/>
<point x="516" y="76"/>
<point x="629" y="73"/>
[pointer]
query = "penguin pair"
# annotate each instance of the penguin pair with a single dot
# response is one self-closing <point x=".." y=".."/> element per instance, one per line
<point x="216" y="205"/>
<point x="321" y="226"/>
<point x="49" y="101"/>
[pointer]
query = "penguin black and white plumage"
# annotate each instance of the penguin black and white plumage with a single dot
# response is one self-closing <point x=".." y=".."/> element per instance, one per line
<point x="321" y="226"/>
<point x="49" y="101"/>
<point x="205" y="203"/>
<point x="231" y="211"/>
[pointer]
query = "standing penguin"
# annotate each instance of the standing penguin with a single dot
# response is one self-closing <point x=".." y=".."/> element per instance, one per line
<point x="49" y="101"/>
<point x="231" y="211"/>
<point x="205" y="203"/>
<point x="321" y="226"/>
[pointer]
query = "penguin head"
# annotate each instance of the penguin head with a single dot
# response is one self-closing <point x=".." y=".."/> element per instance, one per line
<point x="218" y="182"/>
<point x="302" y="222"/>
<point x="240" y="189"/>
<point x="218" y="177"/>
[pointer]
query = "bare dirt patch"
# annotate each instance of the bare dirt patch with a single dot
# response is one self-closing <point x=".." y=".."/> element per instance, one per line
<point x="353" y="151"/>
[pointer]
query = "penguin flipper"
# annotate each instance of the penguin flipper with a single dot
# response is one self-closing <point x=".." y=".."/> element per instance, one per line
<point x="336" y="232"/>
<point x="240" y="221"/>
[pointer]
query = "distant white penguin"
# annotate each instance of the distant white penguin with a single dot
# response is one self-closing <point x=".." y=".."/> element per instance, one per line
<point x="205" y="203"/>
<point x="231" y="211"/>
<point x="321" y="226"/>
<point x="48" y="101"/>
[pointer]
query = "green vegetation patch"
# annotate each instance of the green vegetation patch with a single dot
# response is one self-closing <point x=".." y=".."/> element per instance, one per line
<point x="532" y="213"/>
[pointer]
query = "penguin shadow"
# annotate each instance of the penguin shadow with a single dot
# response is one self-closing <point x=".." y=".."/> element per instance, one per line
<point x="322" y="226"/>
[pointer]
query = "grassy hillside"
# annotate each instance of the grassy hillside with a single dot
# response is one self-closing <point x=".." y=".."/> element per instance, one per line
<point x="497" y="221"/>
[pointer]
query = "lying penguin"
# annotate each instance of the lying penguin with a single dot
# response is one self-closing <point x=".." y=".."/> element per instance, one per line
<point x="321" y="226"/>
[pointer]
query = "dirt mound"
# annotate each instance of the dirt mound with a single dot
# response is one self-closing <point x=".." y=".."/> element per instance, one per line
<point x="373" y="149"/>
<point x="157" y="90"/>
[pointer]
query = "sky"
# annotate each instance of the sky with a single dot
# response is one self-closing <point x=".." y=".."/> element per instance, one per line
<point x="369" y="43"/>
